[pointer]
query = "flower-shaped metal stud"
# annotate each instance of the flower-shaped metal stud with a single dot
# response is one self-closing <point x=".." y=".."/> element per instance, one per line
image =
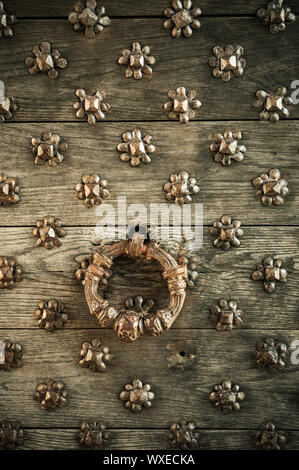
<point x="270" y="272"/>
<point x="180" y="188"/>
<point x="138" y="61"/>
<point x="130" y="322"/>
<point x="192" y="274"/>
<point x="269" y="438"/>
<point x="181" y="18"/>
<point x="183" y="435"/>
<point x="7" y="105"/>
<point x="183" y="105"/>
<point x="6" y="22"/>
<point x="48" y="148"/>
<point x="11" y="435"/>
<point x="226" y="232"/>
<point x="92" y="190"/>
<point x="275" y="15"/>
<point x="137" y="396"/>
<point x="135" y="148"/>
<point x="271" y="188"/>
<point x="271" y="354"/>
<point x="48" y="231"/>
<point x="81" y="272"/>
<point x="92" y="107"/>
<point x="227" y="397"/>
<point x="226" y="147"/>
<point x="95" y="356"/>
<point x="89" y="17"/>
<point x="93" y="435"/>
<point x="227" y="62"/>
<point x="46" y="60"/>
<point x="10" y="272"/>
<point x="51" y="395"/>
<point x="226" y="315"/>
<point x="50" y="315"/>
<point x="273" y="105"/>
<point x="13" y="355"/>
<point x="9" y="190"/>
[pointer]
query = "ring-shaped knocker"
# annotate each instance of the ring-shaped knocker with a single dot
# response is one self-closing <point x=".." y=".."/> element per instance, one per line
<point x="130" y="324"/>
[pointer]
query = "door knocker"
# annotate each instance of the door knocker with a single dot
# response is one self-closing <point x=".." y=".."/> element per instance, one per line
<point x="130" y="323"/>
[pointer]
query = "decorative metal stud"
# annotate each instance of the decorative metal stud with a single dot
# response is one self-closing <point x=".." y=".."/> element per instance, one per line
<point x="227" y="232"/>
<point x="82" y="269"/>
<point x="50" y="315"/>
<point x="137" y="396"/>
<point x="275" y="15"/>
<point x="227" y="397"/>
<point x="182" y="18"/>
<point x="7" y="105"/>
<point x="91" y="107"/>
<point x="89" y="17"/>
<point x="180" y="188"/>
<point x="269" y="438"/>
<point x="138" y="61"/>
<point x="9" y="190"/>
<point x="187" y="260"/>
<point x="51" y="395"/>
<point x="130" y="322"/>
<point x="135" y="148"/>
<point x="10" y="272"/>
<point x="6" y="23"/>
<point x="273" y="105"/>
<point x="183" y="435"/>
<point x="181" y="356"/>
<point x="13" y="355"/>
<point x="227" y="148"/>
<point x="46" y="60"/>
<point x="270" y="272"/>
<point x="48" y="148"/>
<point x="92" y="190"/>
<point x="95" y="356"/>
<point x="93" y="435"/>
<point x="227" y="62"/>
<point x="271" y="354"/>
<point x="183" y="105"/>
<point x="11" y="434"/>
<point x="271" y="188"/>
<point x="48" y="231"/>
<point x="226" y="315"/>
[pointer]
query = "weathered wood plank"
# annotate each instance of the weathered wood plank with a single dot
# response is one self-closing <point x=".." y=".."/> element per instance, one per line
<point x="269" y="395"/>
<point x="94" y="64"/>
<point x="93" y="150"/>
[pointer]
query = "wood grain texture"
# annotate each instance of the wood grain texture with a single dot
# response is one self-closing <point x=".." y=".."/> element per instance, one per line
<point x="93" y="64"/>
<point x="93" y="150"/>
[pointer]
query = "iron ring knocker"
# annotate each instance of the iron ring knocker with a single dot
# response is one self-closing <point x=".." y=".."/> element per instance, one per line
<point x="130" y="324"/>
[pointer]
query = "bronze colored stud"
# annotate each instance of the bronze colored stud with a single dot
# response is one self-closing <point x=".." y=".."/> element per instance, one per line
<point x="89" y="17"/>
<point x="91" y="107"/>
<point x="269" y="438"/>
<point x="188" y="261"/>
<point x="226" y="232"/>
<point x="46" y="60"/>
<point x="6" y="23"/>
<point x="227" y="397"/>
<point x="92" y="190"/>
<point x="180" y="356"/>
<point x="137" y="396"/>
<point x="275" y="15"/>
<point x="11" y="435"/>
<point x="13" y="355"/>
<point x="270" y="272"/>
<point x="48" y="231"/>
<point x="135" y="148"/>
<point x="95" y="356"/>
<point x="183" y="435"/>
<point x="138" y="61"/>
<point x="51" y="395"/>
<point x="181" y="17"/>
<point x="227" y="62"/>
<point x="82" y="269"/>
<point x="48" y="148"/>
<point x="226" y="315"/>
<point x="7" y="105"/>
<point x="9" y="190"/>
<point x="183" y="106"/>
<point x="93" y="435"/>
<point x="271" y="355"/>
<point x="273" y="105"/>
<point x="130" y="322"/>
<point x="10" y="272"/>
<point x="50" y="315"/>
<point x="180" y="188"/>
<point x="226" y="147"/>
<point x="271" y="188"/>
